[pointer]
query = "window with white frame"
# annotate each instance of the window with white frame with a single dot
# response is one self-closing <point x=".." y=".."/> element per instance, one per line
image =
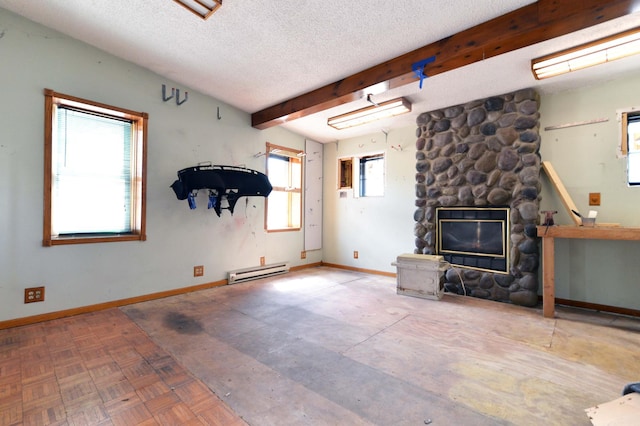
<point x="630" y="145"/>
<point x="283" y="210"/>
<point x="94" y="176"/>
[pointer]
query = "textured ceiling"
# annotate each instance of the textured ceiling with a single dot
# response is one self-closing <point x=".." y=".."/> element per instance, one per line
<point x="253" y="54"/>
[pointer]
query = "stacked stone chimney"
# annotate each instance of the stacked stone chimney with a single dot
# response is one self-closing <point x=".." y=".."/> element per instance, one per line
<point x="484" y="153"/>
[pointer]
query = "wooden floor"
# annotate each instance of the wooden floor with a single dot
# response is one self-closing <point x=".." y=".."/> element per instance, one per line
<point x="98" y="369"/>
<point x="318" y="346"/>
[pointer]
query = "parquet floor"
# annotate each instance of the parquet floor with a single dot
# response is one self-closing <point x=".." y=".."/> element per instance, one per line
<point x="98" y="369"/>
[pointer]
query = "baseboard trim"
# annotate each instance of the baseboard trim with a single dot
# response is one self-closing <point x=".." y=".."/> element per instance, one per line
<point x="106" y="305"/>
<point x="174" y="292"/>
<point x="306" y="266"/>
<point x="122" y="302"/>
<point x="598" y="307"/>
<point x="352" y="268"/>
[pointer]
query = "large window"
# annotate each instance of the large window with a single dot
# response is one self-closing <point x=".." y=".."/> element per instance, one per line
<point x="284" y="204"/>
<point x="631" y="145"/>
<point x="94" y="177"/>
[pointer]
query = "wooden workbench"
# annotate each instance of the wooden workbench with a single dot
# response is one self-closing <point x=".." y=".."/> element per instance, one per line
<point x="549" y="234"/>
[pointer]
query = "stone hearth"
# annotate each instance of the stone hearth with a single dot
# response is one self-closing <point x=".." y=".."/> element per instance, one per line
<point x="483" y="153"/>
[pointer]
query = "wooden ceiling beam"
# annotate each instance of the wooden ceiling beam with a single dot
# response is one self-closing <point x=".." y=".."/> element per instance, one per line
<point x="535" y="23"/>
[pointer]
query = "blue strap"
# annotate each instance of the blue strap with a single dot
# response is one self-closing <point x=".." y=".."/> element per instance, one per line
<point x="418" y="68"/>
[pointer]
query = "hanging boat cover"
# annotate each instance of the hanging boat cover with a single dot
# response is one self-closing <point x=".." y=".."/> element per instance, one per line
<point x="223" y="182"/>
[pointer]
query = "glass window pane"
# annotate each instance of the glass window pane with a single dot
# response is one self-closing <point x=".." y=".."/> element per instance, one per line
<point x="92" y="178"/>
<point x="89" y="204"/>
<point x="633" y="157"/>
<point x="296" y="173"/>
<point x="633" y="132"/>
<point x="278" y="169"/>
<point x="296" y="209"/>
<point x="278" y="212"/>
<point x="284" y="204"/>
<point x="372" y="176"/>
<point x="634" y="168"/>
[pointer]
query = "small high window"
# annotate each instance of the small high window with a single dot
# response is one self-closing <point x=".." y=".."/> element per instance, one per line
<point x="631" y="145"/>
<point x="284" y="203"/>
<point x="372" y="175"/>
<point x="94" y="177"/>
<point x="365" y="175"/>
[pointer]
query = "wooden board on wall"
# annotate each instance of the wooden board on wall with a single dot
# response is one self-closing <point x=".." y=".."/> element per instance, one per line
<point x="562" y="191"/>
<point x="313" y="196"/>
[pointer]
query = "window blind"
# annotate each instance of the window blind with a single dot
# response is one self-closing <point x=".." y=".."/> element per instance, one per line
<point x="92" y="177"/>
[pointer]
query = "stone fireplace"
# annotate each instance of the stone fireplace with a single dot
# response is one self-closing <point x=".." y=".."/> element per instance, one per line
<point x="480" y="158"/>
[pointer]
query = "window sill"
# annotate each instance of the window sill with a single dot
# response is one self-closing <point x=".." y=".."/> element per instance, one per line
<point x="283" y="230"/>
<point x="93" y="239"/>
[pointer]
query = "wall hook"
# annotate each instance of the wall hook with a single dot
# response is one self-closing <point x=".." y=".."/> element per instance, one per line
<point x="164" y="93"/>
<point x="178" y="101"/>
<point x="386" y="135"/>
<point x="219" y="116"/>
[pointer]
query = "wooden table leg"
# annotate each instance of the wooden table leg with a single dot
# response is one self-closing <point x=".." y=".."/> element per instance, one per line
<point x="548" y="277"/>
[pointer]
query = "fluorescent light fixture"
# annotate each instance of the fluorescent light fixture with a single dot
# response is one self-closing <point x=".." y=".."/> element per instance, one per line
<point x="587" y="55"/>
<point x="202" y="8"/>
<point x="366" y="115"/>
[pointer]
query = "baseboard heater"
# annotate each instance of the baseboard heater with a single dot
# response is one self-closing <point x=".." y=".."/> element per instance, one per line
<point x="247" y="274"/>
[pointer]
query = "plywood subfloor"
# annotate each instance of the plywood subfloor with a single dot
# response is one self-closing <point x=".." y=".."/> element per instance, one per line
<point x="326" y="346"/>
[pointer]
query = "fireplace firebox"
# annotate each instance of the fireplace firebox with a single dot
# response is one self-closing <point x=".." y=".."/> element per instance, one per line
<point x="474" y="237"/>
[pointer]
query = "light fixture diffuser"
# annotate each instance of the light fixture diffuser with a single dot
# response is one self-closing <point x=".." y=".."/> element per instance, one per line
<point x="366" y="115"/>
<point x="202" y="8"/>
<point x="587" y="55"/>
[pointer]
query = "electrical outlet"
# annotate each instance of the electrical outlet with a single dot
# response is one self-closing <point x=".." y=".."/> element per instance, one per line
<point x="34" y="294"/>
<point x="355" y="254"/>
<point x="303" y="254"/>
<point x="594" y="198"/>
<point x="198" y="271"/>
<point x="262" y="261"/>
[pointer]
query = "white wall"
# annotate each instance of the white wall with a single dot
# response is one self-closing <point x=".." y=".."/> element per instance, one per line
<point x="379" y="228"/>
<point x="602" y="272"/>
<point x="34" y="58"/>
